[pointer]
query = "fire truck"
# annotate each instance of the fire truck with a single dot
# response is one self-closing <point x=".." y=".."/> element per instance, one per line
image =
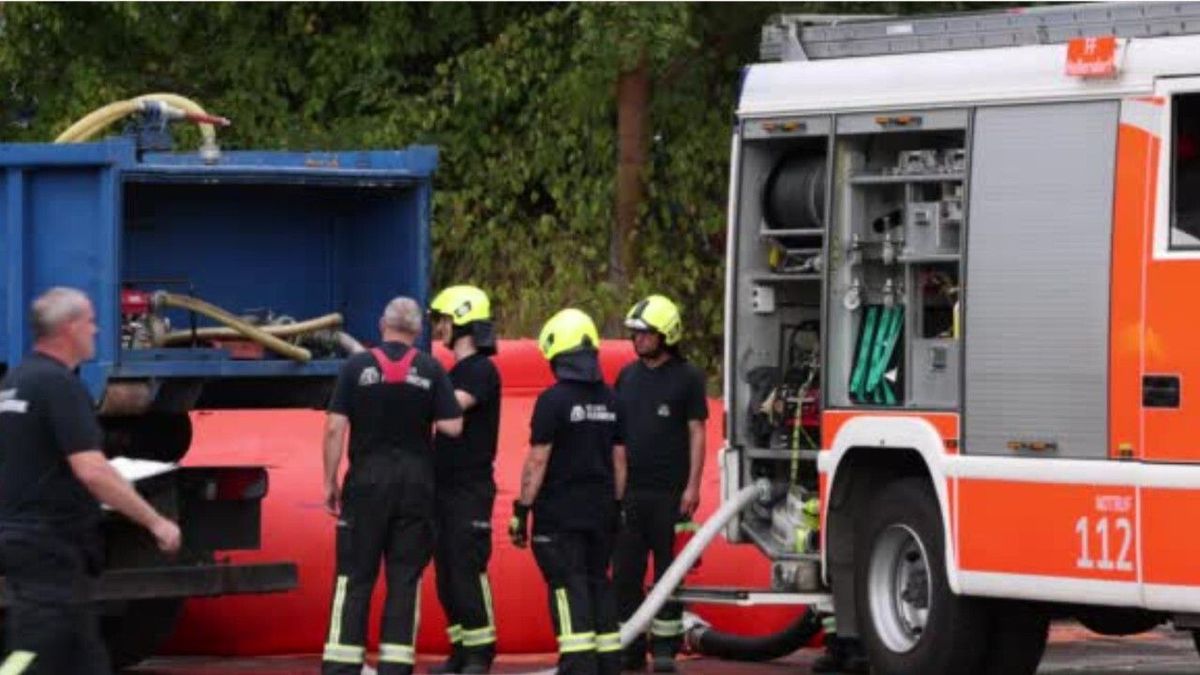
<point x="960" y="347"/>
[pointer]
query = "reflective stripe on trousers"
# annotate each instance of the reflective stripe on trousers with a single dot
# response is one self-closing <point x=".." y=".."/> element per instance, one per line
<point x="343" y="654"/>
<point x="580" y="642"/>
<point x="570" y="642"/>
<point x="405" y="654"/>
<point x="334" y="650"/>
<point x="829" y="623"/>
<point x="564" y="611"/>
<point x="390" y="653"/>
<point x="608" y="642"/>
<point x="486" y="635"/>
<point x="479" y="637"/>
<point x="17" y="662"/>
<point x="660" y="628"/>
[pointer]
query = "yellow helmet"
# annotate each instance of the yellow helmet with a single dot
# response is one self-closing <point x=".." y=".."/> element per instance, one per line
<point x="656" y="313"/>
<point x="567" y="331"/>
<point x="463" y="304"/>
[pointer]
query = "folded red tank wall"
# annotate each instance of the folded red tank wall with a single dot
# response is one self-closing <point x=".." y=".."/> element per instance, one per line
<point x="296" y="528"/>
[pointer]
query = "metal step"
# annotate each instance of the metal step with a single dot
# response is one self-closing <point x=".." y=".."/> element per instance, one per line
<point x="785" y="278"/>
<point x="805" y="455"/>
<point x="800" y="37"/>
<point x="749" y="597"/>
<point x="903" y="178"/>
<point x="806" y="232"/>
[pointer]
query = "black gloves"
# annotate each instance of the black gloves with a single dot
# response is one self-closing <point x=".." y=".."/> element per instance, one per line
<point x="518" y="526"/>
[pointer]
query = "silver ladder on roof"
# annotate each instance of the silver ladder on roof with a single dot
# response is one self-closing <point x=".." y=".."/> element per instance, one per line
<point x="802" y="37"/>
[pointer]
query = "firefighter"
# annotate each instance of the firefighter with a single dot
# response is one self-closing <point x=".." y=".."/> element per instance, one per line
<point x="54" y="476"/>
<point x="842" y="654"/>
<point x="572" y="481"/>
<point x="390" y="399"/>
<point x="465" y="487"/>
<point x="664" y="400"/>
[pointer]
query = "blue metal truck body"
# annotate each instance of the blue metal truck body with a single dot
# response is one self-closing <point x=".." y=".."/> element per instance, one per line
<point x="303" y="234"/>
<point x="298" y="234"/>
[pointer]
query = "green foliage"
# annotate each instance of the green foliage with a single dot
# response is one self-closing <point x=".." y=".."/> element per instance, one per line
<point x="519" y="97"/>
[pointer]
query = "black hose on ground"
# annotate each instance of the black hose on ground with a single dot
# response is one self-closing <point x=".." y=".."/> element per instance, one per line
<point x="709" y="642"/>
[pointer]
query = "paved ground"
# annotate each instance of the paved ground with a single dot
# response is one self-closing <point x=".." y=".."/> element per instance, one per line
<point x="1072" y="650"/>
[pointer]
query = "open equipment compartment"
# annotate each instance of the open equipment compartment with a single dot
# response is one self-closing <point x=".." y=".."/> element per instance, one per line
<point x="266" y="234"/>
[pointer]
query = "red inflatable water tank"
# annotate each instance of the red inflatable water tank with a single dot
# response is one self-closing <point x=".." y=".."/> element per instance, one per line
<point x="296" y="528"/>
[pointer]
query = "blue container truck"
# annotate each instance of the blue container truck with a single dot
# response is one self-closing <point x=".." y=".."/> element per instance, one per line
<point x="190" y="259"/>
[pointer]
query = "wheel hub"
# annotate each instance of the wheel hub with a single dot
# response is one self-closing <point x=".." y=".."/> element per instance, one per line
<point x="899" y="588"/>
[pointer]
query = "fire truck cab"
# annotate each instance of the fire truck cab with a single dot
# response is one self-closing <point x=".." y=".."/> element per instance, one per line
<point x="960" y="328"/>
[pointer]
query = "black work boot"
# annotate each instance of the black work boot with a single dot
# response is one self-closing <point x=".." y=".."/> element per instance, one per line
<point x="856" y="658"/>
<point x="609" y="663"/>
<point x="834" y="658"/>
<point x="477" y="660"/>
<point x="453" y="663"/>
<point x="664" y="657"/>
<point x="842" y="655"/>
<point x="633" y="658"/>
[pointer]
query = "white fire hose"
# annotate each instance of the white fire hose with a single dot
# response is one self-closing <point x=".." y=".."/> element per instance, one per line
<point x="636" y="625"/>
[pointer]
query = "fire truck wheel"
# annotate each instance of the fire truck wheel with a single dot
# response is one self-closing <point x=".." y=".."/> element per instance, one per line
<point x="909" y="620"/>
<point x="1017" y="638"/>
<point x="1119" y="621"/>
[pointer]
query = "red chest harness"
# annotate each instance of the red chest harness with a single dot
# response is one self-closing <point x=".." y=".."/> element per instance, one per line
<point x="394" y="372"/>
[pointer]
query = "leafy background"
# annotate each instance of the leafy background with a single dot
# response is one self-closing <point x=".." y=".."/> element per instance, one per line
<point x="524" y="101"/>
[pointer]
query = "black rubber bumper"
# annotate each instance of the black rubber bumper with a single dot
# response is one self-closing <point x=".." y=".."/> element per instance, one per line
<point x="191" y="581"/>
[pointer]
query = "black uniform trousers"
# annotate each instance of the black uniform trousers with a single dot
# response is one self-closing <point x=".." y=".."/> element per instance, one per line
<point x="378" y="520"/>
<point x="463" y="522"/>
<point x="574" y="564"/>
<point x="51" y="625"/>
<point x="650" y="519"/>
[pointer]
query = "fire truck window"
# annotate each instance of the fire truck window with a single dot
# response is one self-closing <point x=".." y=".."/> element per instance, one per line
<point x="1185" y="188"/>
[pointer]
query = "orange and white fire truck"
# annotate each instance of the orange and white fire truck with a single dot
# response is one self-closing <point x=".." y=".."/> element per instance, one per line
<point x="963" y="326"/>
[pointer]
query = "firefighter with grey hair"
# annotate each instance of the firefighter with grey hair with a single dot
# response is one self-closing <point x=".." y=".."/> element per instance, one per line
<point x="390" y="399"/>
<point x="53" y="477"/>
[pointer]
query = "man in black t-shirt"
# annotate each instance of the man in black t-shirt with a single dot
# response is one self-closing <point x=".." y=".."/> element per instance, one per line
<point x="52" y="474"/>
<point x="664" y="408"/>
<point x="573" y="480"/>
<point x="466" y="488"/>
<point x="390" y="398"/>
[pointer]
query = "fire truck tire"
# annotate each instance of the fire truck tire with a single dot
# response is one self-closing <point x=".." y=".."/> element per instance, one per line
<point x="1017" y="639"/>
<point x="909" y="619"/>
<point x="1118" y="621"/>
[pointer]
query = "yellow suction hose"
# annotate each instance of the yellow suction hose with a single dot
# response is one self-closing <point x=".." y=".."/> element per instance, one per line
<point x="106" y="115"/>
<point x="164" y="299"/>
<point x="99" y="119"/>
<point x="280" y="330"/>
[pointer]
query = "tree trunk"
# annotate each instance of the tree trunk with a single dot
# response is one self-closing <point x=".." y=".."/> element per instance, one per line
<point x="633" y="140"/>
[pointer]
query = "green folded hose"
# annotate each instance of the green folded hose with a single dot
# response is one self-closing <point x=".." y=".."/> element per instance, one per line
<point x="882" y="330"/>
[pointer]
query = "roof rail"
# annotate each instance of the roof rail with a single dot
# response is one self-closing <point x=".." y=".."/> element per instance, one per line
<point x="800" y="37"/>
